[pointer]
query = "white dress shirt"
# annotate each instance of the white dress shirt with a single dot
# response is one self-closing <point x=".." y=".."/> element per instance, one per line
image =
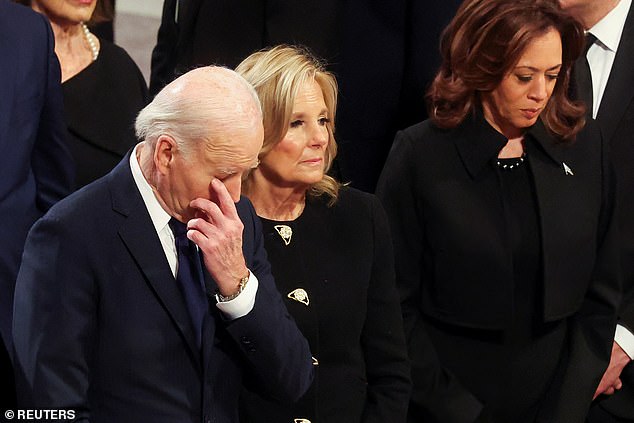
<point x="239" y="306"/>
<point x="601" y="58"/>
<point x="602" y="53"/>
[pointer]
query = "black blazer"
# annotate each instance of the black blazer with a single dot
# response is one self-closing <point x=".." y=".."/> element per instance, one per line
<point x="453" y="260"/>
<point x="102" y="328"/>
<point x="342" y="258"/>
<point x="616" y="119"/>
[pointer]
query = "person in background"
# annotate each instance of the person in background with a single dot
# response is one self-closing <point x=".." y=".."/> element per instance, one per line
<point x="36" y="169"/>
<point x="103" y="88"/>
<point x="147" y="296"/>
<point x="609" y="66"/>
<point x="502" y="210"/>
<point x="330" y="252"/>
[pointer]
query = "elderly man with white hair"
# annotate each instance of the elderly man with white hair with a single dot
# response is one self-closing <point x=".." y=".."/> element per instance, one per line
<point x="147" y="296"/>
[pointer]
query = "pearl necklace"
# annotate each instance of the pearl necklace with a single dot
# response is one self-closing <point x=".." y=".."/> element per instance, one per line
<point x="90" y="39"/>
<point x="508" y="166"/>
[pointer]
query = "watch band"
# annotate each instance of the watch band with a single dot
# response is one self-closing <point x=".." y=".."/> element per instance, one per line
<point x="243" y="282"/>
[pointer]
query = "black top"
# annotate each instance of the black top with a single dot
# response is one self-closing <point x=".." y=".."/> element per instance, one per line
<point x="522" y="226"/>
<point x="334" y="268"/>
<point x="101" y="103"/>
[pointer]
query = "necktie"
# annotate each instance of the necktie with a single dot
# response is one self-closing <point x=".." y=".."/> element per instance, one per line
<point x="583" y="76"/>
<point x="189" y="277"/>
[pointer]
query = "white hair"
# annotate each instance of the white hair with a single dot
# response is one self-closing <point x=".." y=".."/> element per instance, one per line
<point x="200" y="106"/>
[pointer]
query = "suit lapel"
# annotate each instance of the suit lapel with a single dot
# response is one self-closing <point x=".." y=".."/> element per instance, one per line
<point x="138" y="234"/>
<point x="619" y="91"/>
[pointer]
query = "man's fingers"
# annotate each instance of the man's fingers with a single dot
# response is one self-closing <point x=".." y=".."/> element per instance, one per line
<point x="200" y="225"/>
<point x="206" y="209"/>
<point x="225" y="202"/>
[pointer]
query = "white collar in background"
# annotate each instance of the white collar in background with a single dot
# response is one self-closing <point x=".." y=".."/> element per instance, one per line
<point x="609" y="29"/>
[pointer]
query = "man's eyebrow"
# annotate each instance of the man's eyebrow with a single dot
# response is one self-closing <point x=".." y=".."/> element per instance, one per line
<point x="232" y="170"/>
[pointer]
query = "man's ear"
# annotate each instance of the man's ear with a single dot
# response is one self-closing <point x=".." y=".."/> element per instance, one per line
<point x="164" y="153"/>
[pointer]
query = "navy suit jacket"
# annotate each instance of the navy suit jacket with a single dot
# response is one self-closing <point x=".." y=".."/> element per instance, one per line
<point x="101" y="327"/>
<point x="36" y="169"/>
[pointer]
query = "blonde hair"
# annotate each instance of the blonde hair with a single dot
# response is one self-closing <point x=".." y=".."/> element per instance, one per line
<point x="277" y="75"/>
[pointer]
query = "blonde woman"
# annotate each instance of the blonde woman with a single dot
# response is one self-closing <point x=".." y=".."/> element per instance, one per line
<point x="330" y="252"/>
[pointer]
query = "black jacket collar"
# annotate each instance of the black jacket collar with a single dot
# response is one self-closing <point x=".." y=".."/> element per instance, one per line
<point x="478" y="143"/>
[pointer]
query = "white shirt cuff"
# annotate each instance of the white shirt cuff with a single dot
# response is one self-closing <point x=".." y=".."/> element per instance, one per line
<point x="625" y="339"/>
<point x="243" y="303"/>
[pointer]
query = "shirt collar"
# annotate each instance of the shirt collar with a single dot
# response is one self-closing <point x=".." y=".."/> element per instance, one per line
<point x="160" y="218"/>
<point x="609" y="29"/>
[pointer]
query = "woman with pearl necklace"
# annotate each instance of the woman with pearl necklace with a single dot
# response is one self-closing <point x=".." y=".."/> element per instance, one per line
<point x="103" y="87"/>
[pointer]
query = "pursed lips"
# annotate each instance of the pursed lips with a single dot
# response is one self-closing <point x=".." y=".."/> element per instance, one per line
<point x="312" y="161"/>
<point x="531" y="113"/>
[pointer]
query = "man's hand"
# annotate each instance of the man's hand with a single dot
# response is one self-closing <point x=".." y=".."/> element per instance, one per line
<point x="611" y="380"/>
<point x="217" y="230"/>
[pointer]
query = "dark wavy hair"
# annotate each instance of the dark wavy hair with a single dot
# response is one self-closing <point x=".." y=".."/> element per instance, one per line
<point x="484" y="42"/>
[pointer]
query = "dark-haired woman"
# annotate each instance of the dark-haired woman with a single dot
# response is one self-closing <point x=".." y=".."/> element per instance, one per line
<point x="501" y="209"/>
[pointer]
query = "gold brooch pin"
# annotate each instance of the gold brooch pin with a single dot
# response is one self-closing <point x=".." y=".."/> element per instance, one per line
<point x="285" y="232"/>
<point x="299" y="295"/>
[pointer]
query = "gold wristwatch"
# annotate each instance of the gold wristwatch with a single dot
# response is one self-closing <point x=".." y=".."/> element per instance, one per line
<point x="243" y="282"/>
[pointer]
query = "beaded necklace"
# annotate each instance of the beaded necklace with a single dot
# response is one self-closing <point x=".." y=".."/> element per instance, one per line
<point x="90" y="39"/>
